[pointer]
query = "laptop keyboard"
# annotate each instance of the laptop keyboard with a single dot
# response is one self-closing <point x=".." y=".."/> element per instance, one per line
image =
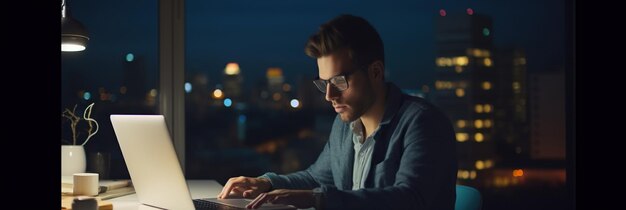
<point x="209" y="205"/>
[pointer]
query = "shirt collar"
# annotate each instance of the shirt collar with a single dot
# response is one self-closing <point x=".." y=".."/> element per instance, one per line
<point x="357" y="127"/>
<point x="392" y="103"/>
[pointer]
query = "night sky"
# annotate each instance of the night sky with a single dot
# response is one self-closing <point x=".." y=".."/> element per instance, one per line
<point x="271" y="33"/>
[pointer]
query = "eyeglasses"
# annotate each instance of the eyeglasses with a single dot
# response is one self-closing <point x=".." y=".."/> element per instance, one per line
<point x="338" y="82"/>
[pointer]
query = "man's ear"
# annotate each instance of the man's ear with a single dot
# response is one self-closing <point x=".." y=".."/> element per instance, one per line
<point x="377" y="70"/>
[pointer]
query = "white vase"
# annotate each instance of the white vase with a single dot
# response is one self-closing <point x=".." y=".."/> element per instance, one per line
<point x="73" y="160"/>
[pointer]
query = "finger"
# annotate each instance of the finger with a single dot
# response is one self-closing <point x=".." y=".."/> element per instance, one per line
<point x="258" y="201"/>
<point x="237" y="192"/>
<point x="228" y="183"/>
<point x="247" y="193"/>
<point x="251" y="193"/>
<point x="233" y="183"/>
<point x="227" y="188"/>
<point x="279" y="199"/>
<point x="220" y="195"/>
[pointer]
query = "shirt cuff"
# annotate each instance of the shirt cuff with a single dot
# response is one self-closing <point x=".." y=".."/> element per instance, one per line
<point x="274" y="180"/>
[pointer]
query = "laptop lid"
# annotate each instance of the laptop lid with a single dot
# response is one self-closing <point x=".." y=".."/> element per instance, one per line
<point x="153" y="165"/>
<point x="151" y="160"/>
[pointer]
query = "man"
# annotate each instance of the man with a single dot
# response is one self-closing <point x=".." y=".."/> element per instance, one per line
<point x="386" y="149"/>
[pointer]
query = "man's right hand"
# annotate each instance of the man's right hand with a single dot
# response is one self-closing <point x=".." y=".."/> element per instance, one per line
<point x="246" y="187"/>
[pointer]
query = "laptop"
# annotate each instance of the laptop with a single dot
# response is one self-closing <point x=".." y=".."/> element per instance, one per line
<point x="155" y="171"/>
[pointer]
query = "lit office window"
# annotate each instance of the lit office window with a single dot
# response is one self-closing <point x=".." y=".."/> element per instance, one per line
<point x="439" y="62"/>
<point x="479" y="137"/>
<point x="488" y="62"/>
<point x="487" y="108"/>
<point x="461" y="123"/>
<point x="463" y="174"/>
<point x="443" y="62"/>
<point x="461" y="61"/>
<point x="486" y="85"/>
<point x="478" y="123"/>
<point x="472" y="174"/>
<point x="479" y="53"/>
<point x="480" y="165"/>
<point x="458" y="69"/>
<point x="488" y="163"/>
<point x="462" y="137"/>
<point x="478" y="108"/>
<point x="486" y="53"/>
<point x="443" y="85"/>
<point x="488" y="123"/>
<point x="516" y="87"/>
<point x="460" y="92"/>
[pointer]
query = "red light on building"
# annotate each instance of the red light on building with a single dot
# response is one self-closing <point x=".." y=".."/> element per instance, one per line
<point x="442" y="12"/>
<point x="470" y="11"/>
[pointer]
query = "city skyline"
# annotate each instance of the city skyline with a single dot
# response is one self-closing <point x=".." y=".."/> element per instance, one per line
<point x="260" y="35"/>
<point x="511" y="162"/>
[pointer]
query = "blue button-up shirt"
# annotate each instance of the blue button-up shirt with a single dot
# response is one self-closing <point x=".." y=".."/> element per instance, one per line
<point x="362" y="154"/>
<point x="413" y="163"/>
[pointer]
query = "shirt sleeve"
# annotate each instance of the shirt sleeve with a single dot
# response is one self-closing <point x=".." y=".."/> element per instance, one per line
<point x="319" y="173"/>
<point x="427" y="168"/>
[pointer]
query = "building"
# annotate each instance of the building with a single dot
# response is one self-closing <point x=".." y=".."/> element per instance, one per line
<point x="547" y="100"/>
<point x="232" y="81"/>
<point x="511" y="116"/>
<point x="465" y="86"/>
<point x="198" y="97"/>
<point x="133" y="90"/>
<point x="277" y="93"/>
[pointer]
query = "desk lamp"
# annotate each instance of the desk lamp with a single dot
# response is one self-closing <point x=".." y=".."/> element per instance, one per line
<point x="73" y="34"/>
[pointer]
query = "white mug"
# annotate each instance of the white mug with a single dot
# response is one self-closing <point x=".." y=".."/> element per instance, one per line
<point x="86" y="184"/>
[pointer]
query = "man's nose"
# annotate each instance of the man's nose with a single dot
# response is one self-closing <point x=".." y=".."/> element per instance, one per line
<point x="331" y="92"/>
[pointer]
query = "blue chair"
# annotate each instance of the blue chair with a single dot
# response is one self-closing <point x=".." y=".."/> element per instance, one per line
<point x="467" y="198"/>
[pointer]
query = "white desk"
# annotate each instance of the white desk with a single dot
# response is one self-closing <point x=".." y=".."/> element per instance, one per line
<point x="198" y="189"/>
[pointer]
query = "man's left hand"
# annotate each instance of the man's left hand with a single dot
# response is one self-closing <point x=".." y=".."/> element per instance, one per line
<point x="299" y="198"/>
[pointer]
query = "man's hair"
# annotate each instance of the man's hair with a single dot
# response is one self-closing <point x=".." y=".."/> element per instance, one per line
<point x="350" y="32"/>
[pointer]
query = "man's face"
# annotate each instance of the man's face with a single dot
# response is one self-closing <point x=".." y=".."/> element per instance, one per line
<point x="353" y="102"/>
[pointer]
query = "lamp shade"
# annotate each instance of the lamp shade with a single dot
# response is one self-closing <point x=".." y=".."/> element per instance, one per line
<point x="73" y="34"/>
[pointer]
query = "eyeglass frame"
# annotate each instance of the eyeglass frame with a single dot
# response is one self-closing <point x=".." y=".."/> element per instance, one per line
<point x="343" y="76"/>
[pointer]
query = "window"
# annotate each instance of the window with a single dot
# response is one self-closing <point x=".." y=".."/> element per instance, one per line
<point x="118" y="71"/>
<point x="462" y="137"/>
